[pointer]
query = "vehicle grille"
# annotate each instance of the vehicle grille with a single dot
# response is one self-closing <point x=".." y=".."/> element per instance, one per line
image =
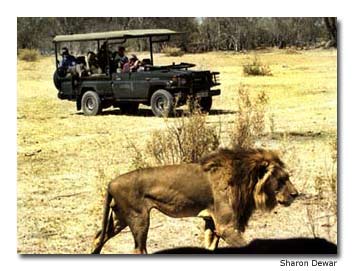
<point x="204" y="80"/>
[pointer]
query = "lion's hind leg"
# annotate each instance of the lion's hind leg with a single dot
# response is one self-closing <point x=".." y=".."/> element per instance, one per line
<point x="139" y="225"/>
<point x="115" y="226"/>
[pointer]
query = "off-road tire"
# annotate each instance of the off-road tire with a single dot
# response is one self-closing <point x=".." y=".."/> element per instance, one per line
<point x="205" y="104"/>
<point x="162" y="103"/>
<point x="91" y="103"/>
<point x="58" y="75"/>
<point x="202" y="105"/>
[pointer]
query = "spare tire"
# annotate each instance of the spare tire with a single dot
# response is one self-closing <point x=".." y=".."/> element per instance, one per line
<point x="58" y="75"/>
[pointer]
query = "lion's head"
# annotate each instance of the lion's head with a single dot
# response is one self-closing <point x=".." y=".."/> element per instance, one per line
<point x="272" y="185"/>
<point x="255" y="178"/>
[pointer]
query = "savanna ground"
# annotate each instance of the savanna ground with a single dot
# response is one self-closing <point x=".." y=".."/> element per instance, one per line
<point x="65" y="159"/>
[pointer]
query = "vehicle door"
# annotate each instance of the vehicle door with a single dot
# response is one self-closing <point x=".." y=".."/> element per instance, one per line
<point x="141" y="83"/>
<point x="122" y="85"/>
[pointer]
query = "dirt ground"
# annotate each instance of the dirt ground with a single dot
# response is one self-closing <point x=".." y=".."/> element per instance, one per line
<point x="65" y="159"/>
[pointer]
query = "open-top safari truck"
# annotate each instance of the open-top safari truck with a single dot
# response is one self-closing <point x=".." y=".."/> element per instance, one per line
<point x="161" y="87"/>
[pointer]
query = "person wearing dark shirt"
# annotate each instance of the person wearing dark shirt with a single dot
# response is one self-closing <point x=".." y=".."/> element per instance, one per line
<point x="68" y="60"/>
<point x="120" y="58"/>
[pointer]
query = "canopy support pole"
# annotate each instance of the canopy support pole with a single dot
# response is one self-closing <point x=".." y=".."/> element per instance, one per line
<point x="56" y="54"/>
<point x="151" y="55"/>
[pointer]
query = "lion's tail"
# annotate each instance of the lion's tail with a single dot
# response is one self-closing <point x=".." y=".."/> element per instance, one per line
<point x="100" y="236"/>
<point x="106" y="213"/>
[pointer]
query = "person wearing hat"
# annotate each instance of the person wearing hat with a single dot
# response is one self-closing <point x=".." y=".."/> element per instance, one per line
<point x="68" y="60"/>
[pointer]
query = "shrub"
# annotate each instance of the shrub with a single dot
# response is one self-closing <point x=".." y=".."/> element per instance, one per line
<point x="30" y="55"/>
<point x="172" y="51"/>
<point x="257" y="68"/>
<point x="250" y="120"/>
<point x="184" y="140"/>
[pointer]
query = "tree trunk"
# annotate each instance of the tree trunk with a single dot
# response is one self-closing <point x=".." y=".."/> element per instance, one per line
<point x="331" y="25"/>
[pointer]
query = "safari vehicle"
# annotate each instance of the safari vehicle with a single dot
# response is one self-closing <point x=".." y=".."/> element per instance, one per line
<point x="162" y="87"/>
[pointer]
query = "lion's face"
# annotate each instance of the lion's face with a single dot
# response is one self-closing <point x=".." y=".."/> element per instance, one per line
<point x="275" y="187"/>
<point x="284" y="190"/>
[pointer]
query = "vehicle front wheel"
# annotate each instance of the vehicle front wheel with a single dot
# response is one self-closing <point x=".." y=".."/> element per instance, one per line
<point x="91" y="103"/>
<point x="162" y="103"/>
<point x="205" y="104"/>
<point x="202" y="105"/>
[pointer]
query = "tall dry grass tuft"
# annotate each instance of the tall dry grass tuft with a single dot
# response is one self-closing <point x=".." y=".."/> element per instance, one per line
<point x="256" y="68"/>
<point x="250" y="119"/>
<point x="29" y="55"/>
<point x="325" y="200"/>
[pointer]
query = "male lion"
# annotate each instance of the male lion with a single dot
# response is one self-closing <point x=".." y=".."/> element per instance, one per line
<point x="224" y="189"/>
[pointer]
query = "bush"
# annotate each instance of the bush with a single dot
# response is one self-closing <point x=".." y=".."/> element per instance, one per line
<point x="185" y="140"/>
<point x="172" y="51"/>
<point x="30" y="55"/>
<point x="257" y="68"/>
<point x="250" y="120"/>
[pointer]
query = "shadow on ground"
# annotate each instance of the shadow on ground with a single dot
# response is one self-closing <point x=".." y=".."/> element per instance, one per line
<point x="267" y="246"/>
<point x="148" y="113"/>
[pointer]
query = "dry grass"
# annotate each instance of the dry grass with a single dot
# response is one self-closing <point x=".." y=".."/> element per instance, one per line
<point x="172" y="51"/>
<point x="257" y="68"/>
<point x="250" y="119"/>
<point x="65" y="159"/>
<point x="183" y="140"/>
<point x="30" y="55"/>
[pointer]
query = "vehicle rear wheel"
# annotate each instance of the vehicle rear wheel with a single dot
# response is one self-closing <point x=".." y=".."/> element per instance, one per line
<point x="162" y="103"/>
<point x="91" y="103"/>
<point x="129" y="108"/>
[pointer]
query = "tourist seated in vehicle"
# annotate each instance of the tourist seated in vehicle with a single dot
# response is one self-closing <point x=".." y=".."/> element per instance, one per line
<point x="133" y="65"/>
<point x="69" y="64"/>
<point x="93" y="63"/>
<point x="119" y="58"/>
<point x="68" y="60"/>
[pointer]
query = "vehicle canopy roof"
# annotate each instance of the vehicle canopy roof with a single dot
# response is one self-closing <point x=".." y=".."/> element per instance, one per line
<point x="110" y="35"/>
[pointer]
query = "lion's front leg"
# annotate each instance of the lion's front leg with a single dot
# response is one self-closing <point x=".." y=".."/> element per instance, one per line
<point x="231" y="236"/>
<point x="211" y="240"/>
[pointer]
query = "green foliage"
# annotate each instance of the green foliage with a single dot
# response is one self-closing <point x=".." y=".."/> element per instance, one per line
<point x="29" y="55"/>
<point x="210" y="33"/>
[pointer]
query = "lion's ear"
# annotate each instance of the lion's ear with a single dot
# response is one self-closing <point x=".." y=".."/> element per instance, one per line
<point x="210" y="165"/>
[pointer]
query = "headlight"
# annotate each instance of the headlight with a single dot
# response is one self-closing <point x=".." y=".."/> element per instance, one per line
<point x="182" y="81"/>
<point x="174" y="81"/>
<point x="178" y="81"/>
